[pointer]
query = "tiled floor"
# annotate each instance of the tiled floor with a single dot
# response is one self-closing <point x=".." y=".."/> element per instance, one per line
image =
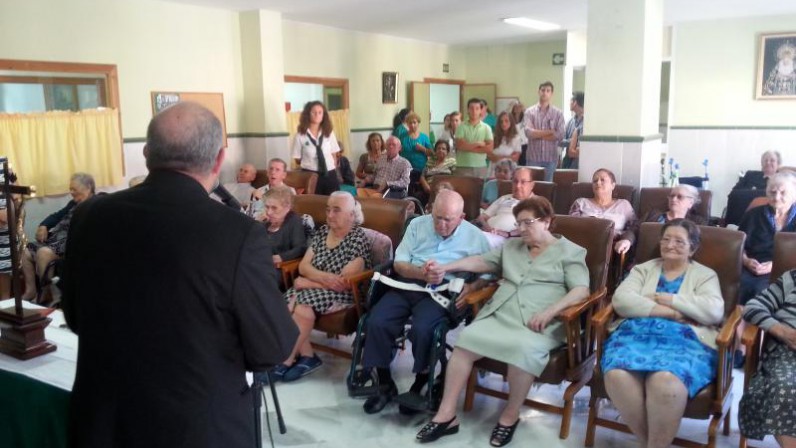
<point x="319" y="413"/>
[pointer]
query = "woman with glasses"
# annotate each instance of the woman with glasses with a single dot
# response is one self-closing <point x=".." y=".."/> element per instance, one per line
<point x="682" y="200"/>
<point x="662" y="349"/>
<point x="543" y="274"/>
<point x="603" y="204"/>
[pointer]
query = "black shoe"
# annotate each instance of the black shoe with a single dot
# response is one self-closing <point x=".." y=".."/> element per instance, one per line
<point x="433" y="431"/>
<point x="502" y="435"/>
<point x="376" y="403"/>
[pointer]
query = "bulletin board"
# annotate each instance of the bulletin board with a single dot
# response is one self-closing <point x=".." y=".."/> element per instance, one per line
<point x="213" y="101"/>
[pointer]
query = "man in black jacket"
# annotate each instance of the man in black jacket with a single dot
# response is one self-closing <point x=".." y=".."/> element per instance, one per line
<point x="166" y="292"/>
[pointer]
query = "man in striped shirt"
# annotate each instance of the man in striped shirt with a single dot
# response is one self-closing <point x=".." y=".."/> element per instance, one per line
<point x="544" y="127"/>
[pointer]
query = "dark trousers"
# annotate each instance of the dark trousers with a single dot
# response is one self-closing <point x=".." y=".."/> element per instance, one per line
<point x="387" y="320"/>
<point x="751" y="285"/>
<point x="328" y="183"/>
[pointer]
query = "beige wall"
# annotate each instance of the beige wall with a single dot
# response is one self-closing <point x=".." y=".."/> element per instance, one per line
<point x="714" y="67"/>
<point x="156" y="46"/>
<point x="319" y="51"/>
<point x="517" y="69"/>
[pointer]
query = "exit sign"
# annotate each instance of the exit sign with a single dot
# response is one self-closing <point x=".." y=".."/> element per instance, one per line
<point x="559" y="59"/>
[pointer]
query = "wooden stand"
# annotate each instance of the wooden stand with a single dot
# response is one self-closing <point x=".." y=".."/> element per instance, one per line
<point x="22" y="330"/>
<point x="23" y="337"/>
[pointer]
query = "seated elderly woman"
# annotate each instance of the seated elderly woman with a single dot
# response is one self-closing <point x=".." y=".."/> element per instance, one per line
<point x="542" y="275"/>
<point x="51" y="234"/>
<point x="338" y="249"/>
<point x="760" y="224"/>
<point x="441" y="163"/>
<point x="285" y="228"/>
<point x="769" y="404"/>
<point x="498" y="221"/>
<point x="603" y="204"/>
<point x="770" y="162"/>
<point x="662" y="350"/>
<point x="504" y="170"/>
<point x="682" y="200"/>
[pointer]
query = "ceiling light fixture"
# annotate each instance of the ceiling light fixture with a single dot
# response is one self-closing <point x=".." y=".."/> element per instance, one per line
<point x="531" y="23"/>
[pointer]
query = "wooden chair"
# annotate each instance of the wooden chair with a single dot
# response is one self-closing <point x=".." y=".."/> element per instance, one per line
<point x="574" y="361"/>
<point x="542" y="188"/>
<point x="720" y="250"/>
<point x="537" y="172"/>
<point x="469" y="187"/>
<point x="754" y="338"/>
<point x="343" y="322"/>
<point x="584" y="190"/>
<point x="650" y="199"/>
<point x="303" y="182"/>
<point x="564" y="180"/>
<point x="757" y="202"/>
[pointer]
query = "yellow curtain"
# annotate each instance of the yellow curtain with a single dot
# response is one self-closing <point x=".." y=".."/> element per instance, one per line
<point x="339" y="118"/>
<point x="45" y="149"/>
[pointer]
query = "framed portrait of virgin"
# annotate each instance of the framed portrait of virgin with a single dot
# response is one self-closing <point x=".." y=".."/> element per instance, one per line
<point x="389" y="87"/>
<point x="776" y="67"/>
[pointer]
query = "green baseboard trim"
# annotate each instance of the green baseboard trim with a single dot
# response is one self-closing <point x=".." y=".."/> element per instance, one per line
<point x="134" y="140"/>
<point x="621" y="138"/>
<point x="371" y="130"/>
<point x="737" y="128"/>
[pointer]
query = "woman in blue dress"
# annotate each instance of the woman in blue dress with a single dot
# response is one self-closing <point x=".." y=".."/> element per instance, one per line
<point x="662" y="350"/>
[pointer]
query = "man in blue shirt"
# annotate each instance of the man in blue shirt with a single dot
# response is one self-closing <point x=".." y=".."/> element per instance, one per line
<point x="445" y="237"/>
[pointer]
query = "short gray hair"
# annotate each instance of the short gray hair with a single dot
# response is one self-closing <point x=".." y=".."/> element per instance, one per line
<point x="776" y="154"/>
<point x="184" y="137"/>
<point x="784" y="178"/>
<point x="86" y="180"/>
<point x="359" y="217"/>
<point x="692" y="191"/>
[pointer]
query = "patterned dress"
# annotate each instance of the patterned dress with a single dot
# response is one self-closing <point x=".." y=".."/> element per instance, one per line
<point x="354" y="245"/>
<point x="768" y="406"/>
<point x="654" y="344"/>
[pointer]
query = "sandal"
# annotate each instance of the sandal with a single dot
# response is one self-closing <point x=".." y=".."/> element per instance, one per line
<point x="502" y="435"/>
<point x="433" y="430"/>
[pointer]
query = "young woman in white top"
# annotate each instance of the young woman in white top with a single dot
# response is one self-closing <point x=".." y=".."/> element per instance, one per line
<point x="508" y="143"/>
<point x="314" y="146"/>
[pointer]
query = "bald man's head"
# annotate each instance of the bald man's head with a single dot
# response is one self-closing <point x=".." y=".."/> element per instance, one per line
<point x="185" y="137"/>
<point x="447" y="212"/>
<point x="246" y="173"/>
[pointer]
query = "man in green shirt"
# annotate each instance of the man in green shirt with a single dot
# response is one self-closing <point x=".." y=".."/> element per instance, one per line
<point x="473" y="142"/>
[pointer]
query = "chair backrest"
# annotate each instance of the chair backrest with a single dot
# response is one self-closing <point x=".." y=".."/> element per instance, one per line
<point x="737" y="203"/>
<point x="387" y="216"/>
<point x="537" y="172"/>
<point x="584" y="190"/>
<point x="381" y="248"/>
<point x="564" y="179"/>
<point x="469" y="187"/>
<point x="303" y="182"/>
<point x="784" y="254"/>
<point x="596" y="236"/>
<point x="383" y="215"/>
<point x="719" y="250"/>
<point x="650" y="199"/>
<point x="542" y="188"/>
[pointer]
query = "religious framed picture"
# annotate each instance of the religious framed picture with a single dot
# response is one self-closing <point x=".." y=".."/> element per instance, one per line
<point x="389" y="87"/>
<point x="776" y="67"/>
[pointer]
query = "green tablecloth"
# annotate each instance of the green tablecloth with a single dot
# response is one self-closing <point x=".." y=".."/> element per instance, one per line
<point x="33" y="414"/>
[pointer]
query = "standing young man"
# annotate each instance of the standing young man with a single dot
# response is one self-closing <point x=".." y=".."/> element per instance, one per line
<point x="473" y="142"/>
<point x="544" y="127"/>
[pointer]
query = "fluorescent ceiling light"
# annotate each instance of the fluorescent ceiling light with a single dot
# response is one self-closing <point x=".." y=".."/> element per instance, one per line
<point x="533" y="24"/>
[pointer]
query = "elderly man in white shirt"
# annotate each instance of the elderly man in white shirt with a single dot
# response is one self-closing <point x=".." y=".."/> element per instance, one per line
<point x="497" y="221"/>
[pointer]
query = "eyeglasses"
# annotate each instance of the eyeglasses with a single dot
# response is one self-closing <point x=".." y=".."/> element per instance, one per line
<point x="679" y="197"/>
<point x="677" y="242"/>
<point x="520" y="181"/>
<point x="525" y="223"/>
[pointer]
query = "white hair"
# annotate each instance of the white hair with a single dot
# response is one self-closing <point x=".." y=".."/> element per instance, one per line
<point x="359" y="217"/>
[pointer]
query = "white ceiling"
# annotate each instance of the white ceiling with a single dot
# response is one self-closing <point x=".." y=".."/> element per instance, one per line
<point x="477" y="21"/>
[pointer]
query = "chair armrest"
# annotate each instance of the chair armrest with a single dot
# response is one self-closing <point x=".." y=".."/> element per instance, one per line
<point x="600" y="323"/>
<point x="573" y="312"/>
<point x="726" y="342"/>
<point x="481" y="295"/>
<point x="752" y="339"/>
<point x="289" y="270"/>
<point x="356" y="281"/>
<point x="603" y="317"/>
<point x="750" y="334"/>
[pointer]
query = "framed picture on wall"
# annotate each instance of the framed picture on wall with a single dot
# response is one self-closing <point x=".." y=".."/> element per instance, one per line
<point x="776" y="67"/>
<point x="389" y="87"/>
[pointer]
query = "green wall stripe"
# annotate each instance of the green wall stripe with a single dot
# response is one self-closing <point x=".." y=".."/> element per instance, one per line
<point x="754" y="128"/>
<point x="621" y="138"/>
<point x="371" y="129"/>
